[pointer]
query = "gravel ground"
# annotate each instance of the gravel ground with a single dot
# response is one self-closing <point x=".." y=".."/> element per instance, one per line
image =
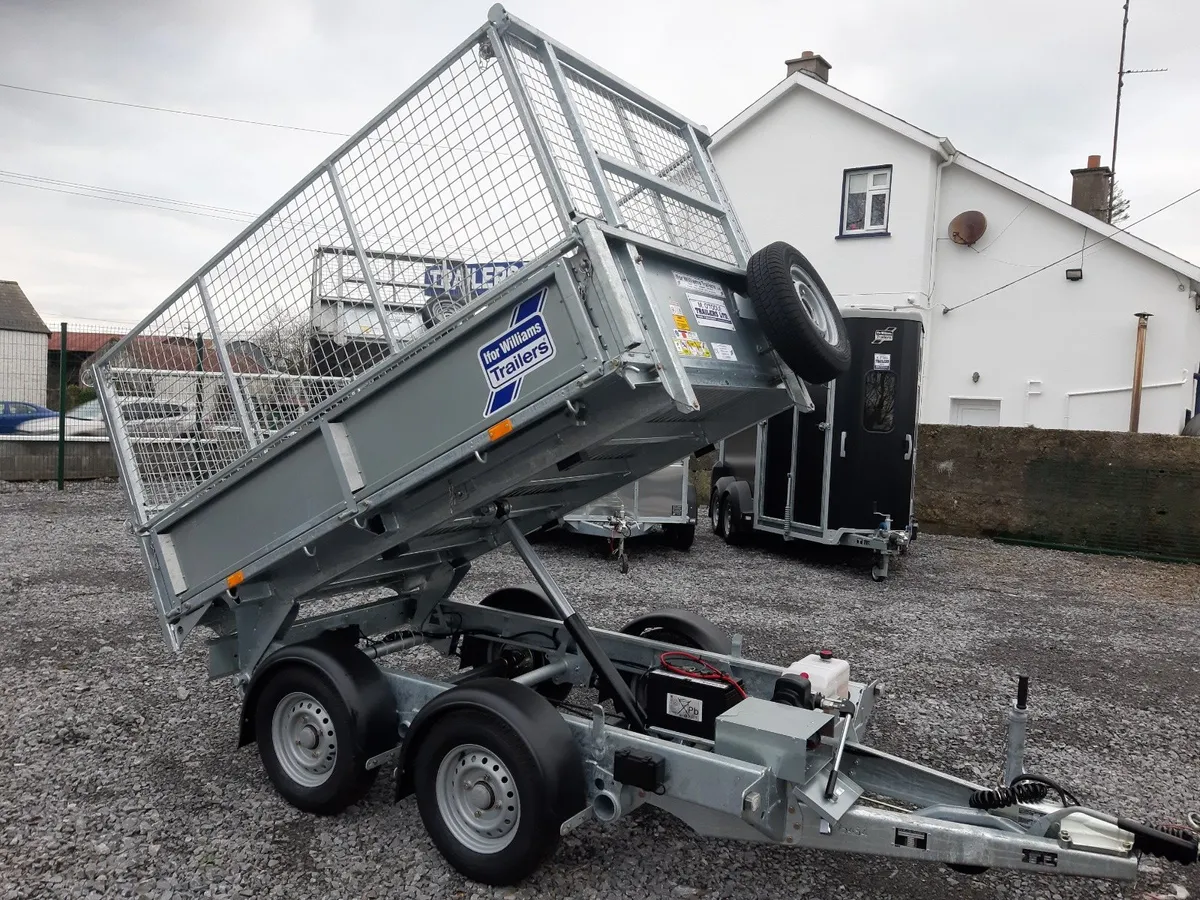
<point x="121" y="777"/>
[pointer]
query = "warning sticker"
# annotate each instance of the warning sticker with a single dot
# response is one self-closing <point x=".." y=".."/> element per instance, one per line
<point x="688" y="343"/>
<point x="711" y="312"/>
<point x="682" y="323"/>
<point x="724" y="351"/>
<point x="699" y="285"/>
<point x="685" y="707"/>
<point x="883" y="361"/>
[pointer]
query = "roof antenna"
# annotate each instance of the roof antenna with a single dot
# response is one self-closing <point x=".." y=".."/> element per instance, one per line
<point x="1121" y="73"/>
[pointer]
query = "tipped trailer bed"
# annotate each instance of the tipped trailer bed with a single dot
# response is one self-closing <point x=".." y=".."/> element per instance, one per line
<point x="360" y="421"/>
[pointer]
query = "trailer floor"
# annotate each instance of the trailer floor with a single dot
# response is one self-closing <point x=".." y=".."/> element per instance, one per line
<point x="121" y="778"/>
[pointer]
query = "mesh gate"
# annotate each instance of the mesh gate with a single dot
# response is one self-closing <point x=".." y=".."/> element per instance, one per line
<point x="475" y="172"/>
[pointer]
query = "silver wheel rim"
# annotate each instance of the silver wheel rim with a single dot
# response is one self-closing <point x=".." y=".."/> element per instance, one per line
<point x="304" y="739"/>
<point x="814" y="304"/>
<point x="478" y="799"/>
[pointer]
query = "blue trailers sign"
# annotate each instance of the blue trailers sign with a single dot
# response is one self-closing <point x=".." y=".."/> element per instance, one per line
<point x="506" y="360"/>
<point x="456" y="281"/>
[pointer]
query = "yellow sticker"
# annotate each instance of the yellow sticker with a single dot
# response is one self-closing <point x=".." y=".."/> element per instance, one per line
<point x="682" y="323"/>
<point x="692" y="348"/>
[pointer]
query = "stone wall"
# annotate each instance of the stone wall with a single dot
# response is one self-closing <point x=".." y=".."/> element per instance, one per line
<point x="1113" y="491"/>
<point x="37" y="460"/>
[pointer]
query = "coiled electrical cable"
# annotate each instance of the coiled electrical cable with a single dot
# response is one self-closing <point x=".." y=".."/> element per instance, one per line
<point x="1023" y="792"/>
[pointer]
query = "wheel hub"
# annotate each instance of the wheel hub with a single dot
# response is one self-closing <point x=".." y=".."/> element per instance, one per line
<point x="303" y="738"/>
<point x="481" y="796"/>
<point x="309" y="737"/>
<point x="477" y="798"/>
<point x="814" y="305"/>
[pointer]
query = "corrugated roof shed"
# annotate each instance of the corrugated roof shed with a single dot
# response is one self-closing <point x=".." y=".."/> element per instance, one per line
<point x="16" y="312"/>
<point x="83" y="341"/>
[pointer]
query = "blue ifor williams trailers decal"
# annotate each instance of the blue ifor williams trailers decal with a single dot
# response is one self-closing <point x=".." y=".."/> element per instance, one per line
<point x="507" y="359"/>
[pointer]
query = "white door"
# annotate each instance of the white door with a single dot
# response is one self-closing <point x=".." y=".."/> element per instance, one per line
<point x="974" y="411"/>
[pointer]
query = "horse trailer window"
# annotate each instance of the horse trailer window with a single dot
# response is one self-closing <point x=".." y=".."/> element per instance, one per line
<point x="879" y="401"/>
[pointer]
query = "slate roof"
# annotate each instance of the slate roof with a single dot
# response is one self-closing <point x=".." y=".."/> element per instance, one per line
<point x="16" y="312"/>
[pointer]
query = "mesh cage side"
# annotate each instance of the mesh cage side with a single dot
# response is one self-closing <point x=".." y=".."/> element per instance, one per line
<point x="446" y="198"/>
<point x="449" y="183"/>
<point x="178" y="418"/>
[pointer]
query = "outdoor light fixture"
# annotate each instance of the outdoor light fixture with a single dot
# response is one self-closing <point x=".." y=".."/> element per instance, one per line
<point x="1074" y="274"/>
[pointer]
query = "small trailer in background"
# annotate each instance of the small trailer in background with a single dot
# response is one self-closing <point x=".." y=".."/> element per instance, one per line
<point x="843" y="473"/>
<point x="662" y="502"/>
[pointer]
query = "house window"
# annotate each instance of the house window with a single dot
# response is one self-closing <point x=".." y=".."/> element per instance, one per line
<point x="866" y="199"/>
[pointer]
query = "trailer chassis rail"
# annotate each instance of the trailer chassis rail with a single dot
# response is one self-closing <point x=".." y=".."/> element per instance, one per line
<point x="772" y="773"/>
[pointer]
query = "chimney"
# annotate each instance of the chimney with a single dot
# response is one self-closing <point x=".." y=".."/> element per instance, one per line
<point x="810" y="64"/>
<point x="1089" y="188"/>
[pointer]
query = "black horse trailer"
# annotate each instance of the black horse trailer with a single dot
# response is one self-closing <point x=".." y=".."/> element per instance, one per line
<point x="843" y="473"/>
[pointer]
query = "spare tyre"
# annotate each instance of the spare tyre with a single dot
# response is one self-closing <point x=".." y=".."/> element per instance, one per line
<point x="797" y="314"/>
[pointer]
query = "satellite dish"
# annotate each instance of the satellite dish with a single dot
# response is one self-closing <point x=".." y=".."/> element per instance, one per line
<point x="968" y="227"/>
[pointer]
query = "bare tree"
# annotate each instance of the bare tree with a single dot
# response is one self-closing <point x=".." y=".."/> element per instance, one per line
<point x="284" y="340"/>
<point x="1120" y="205"/>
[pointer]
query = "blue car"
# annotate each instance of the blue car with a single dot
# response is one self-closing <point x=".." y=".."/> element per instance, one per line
<point x="14" y="414"/>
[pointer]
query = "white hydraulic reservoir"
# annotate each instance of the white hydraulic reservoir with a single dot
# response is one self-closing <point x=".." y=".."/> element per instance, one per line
<point x="828" y="676"/>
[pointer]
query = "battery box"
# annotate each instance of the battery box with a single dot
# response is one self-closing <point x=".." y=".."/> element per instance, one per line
<point x="687" y="705"/>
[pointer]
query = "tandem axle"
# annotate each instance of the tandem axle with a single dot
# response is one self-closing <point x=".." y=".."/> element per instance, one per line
<point x="502" y="765"/>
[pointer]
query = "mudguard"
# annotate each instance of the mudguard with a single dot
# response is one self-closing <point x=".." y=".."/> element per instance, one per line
<point x="698" y="630"/>
<point x="530" y="716"/>
<point x="355" y="677"/>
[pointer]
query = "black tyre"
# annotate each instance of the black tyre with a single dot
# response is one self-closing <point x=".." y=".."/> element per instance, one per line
<point x="716" y="514"/>
<point x="732" y="529"/>
<point x="488" y="790"/>
<point x="680" y="536"/>
<point x="305" y="740"/>
<point x="526" y="599"/>
<point x="797" y="313"/>
<point x="682" y="628"/>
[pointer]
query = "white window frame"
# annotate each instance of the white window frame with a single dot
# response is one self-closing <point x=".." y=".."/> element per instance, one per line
<point x="872" y="191"/>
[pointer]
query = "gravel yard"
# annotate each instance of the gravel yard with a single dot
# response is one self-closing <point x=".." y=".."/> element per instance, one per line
<point x="121" y="776"/>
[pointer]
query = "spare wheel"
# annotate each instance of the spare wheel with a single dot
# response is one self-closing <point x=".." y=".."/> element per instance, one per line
<point x="797" y="314"/>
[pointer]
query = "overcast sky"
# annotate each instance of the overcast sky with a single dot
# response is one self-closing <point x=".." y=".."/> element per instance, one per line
<point x="1027" y="87"/>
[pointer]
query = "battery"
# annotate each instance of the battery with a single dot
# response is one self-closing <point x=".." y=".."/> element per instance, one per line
<point x="687" y="705"/>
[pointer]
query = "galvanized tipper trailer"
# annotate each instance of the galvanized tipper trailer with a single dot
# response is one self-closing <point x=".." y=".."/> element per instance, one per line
<point x="663" y="502"/>
<point x="633" y="330"/>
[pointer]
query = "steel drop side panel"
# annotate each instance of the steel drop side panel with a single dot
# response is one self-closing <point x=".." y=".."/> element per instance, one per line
<point x="394" y="464"/>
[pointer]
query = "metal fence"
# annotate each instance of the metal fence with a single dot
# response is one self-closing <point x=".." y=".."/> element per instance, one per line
<point x="477" y="170"/>
<point x="50" y="423"/>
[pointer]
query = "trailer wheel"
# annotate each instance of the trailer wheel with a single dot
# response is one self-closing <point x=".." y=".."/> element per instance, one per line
<point x="526" y="599"/>
<point x="681" y="537"/>
<point x="305" y="740"/>
<point x="732" y="529"/>
<point x="716" y="514"/>
<point x="681" y="628"/>
<point x="489" y="793"/>
<point x="797" y="313"/>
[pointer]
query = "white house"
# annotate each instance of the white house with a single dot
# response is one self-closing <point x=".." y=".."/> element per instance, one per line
<point x="23" y="342"/>
<point x="1029" y="308"/>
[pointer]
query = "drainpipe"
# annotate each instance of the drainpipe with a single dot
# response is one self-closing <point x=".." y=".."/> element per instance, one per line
<point x="1139" y="360"/>
<point x="949" y="154"/>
